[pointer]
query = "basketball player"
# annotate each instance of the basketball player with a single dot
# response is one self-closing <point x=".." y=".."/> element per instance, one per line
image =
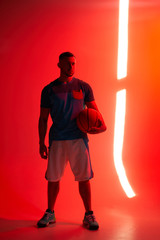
<point x="64" y="99"/>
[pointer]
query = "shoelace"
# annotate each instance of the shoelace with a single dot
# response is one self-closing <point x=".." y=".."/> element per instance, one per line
<point x="47" y="215"/>
<point x="91" y="218"/>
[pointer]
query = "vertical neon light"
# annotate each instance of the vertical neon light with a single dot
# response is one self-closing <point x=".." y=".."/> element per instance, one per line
<point x="123" y="39"/>
<point x="121" y="97"/>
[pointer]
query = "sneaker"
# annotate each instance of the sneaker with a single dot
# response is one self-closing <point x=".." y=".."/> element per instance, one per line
<point x="48" y="217"/>
<point x="90" y="222"/>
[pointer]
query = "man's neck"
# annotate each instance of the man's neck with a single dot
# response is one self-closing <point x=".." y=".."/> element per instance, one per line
<point x="65" y="79"/>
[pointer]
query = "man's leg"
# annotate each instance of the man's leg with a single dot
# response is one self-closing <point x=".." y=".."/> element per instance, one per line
<point x="49" y="216"/>
<point x="53" y="190"/>
<point x="85" y="193"/>
<point x="89" y="220"/>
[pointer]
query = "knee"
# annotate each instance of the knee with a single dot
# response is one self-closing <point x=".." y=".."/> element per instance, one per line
<point x="83" y="182"/>
<point x="84" y="185"/>
<point x="54" y="185"/>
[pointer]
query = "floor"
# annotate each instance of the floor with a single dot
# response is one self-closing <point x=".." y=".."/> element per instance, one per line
<point x="114" y="224"/>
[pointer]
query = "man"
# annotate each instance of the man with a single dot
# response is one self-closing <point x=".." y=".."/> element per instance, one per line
<point x="64" y="99"/>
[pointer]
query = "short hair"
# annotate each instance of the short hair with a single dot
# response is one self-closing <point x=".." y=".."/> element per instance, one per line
<point x="65" y="54"/>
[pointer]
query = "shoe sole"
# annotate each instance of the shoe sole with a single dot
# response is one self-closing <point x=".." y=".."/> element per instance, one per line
<point x="90" y="227"/>
<point x="46" y="225"/>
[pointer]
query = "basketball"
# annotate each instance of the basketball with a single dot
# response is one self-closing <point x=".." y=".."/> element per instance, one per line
<point x="87" y="119"/>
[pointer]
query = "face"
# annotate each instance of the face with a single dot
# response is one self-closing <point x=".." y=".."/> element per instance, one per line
<point x="67" y="66"/>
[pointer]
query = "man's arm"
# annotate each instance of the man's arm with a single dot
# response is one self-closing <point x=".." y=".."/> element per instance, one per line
<point x="102" y="126"/>
<point x="42" y="129"/>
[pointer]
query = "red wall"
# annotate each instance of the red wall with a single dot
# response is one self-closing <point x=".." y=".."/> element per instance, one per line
<point x="33" y="34"/>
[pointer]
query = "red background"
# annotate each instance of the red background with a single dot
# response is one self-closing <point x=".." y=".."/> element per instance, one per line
<point x="33" y="34"/>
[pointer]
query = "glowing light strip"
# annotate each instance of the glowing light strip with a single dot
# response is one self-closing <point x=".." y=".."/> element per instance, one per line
<point x="118" y="142"/>
<point x="123" y="39"/>
<point x="121" y="97"/>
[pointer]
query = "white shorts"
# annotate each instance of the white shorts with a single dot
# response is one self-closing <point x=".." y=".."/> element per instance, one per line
<point x="76" y="152"/>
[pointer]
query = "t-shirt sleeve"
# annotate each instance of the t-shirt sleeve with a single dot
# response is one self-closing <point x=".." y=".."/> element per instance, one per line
<point x="88" y="93"/>
<point x="45" y="100"/>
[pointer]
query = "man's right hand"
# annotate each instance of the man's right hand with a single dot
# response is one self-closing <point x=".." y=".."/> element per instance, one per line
<point x="43" y="151"/>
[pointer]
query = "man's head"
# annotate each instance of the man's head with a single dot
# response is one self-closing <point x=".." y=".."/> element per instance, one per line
<point x="66" y="64"/>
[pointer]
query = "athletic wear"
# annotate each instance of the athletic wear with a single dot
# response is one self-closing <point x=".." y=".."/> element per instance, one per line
<point x="66" y="141"/>
<point x="76" y="152"/>
<point x="48" y="217"/>
<point x="66" y="101"/>
<point x="90" y="222"/>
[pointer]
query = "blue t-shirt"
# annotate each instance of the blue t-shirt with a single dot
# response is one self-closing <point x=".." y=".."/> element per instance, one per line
<point x="66" y="101"/>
